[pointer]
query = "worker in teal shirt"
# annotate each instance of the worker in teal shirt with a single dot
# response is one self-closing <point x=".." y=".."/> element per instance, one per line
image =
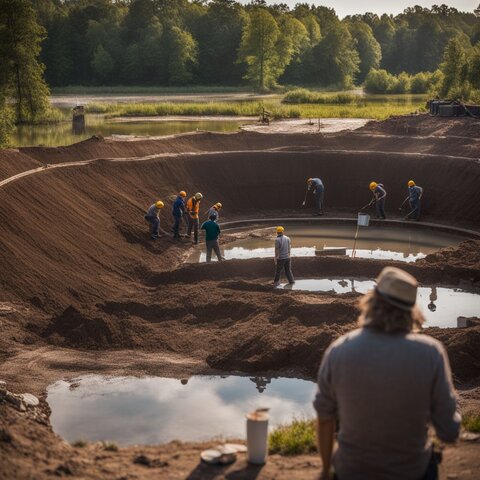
<point x="212" y="232"/>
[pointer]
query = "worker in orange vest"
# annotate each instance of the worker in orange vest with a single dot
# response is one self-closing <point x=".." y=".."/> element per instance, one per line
<point x="193" y="208"/>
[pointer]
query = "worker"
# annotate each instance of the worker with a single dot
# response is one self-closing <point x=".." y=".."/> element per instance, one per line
<point x="282" y="257"/>
<point x="316" y="186"/>
<point x="379" y="196"/>
<point x="212" y="232"/>
<point x="384" y="384"/>
<point x="193" y="207"/>
<point x="153" y="218"/>
<point x="178" y="212"/>
<point x="215" y="210"/>
<point x="415" y="194"/>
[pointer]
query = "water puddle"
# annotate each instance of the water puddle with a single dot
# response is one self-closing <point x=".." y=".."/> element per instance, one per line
<point x="441" y="306"/>
<point x="379" y="243"/>
<point x="154" y="410"/>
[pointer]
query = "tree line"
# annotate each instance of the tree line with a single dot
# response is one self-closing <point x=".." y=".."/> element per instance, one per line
<point x="222" y="42"/>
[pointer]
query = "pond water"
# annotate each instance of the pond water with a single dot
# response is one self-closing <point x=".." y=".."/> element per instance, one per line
<point x="61" y="133"/>
<point x="379" y="243"/>
<point x="440" y="305"/>
<point x="154" y="410"/>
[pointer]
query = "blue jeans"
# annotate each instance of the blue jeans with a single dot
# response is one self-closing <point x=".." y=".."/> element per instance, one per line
<point x="380" y="208"/>
<point x="176" y="226"/>
<point x="319" y="194"/>
<point x="414" y="210"/>
<point x="154" y="225"/>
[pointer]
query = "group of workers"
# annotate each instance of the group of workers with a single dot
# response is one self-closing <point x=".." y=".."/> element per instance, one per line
<point x="188" y="212"/>
<point x="415" y="193"/>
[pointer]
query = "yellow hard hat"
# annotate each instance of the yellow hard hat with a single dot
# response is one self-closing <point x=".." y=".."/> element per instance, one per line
<point x="198" y="196"/>
<point x="182" y="193"/>
<point x="218" y="205"/>
<point x="411" y="183"/>
<point x="309" y="180"/>
<point x="159" y="204"/>
<point x="280" y="229"/>
<point x="373" y="185"/>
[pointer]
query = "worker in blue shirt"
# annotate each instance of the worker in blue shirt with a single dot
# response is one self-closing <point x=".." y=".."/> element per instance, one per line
<point x="178" y="211"/>
<point x="316" y="186"/>
<point x="415" y="194"/>
<point x="379" y="196"/>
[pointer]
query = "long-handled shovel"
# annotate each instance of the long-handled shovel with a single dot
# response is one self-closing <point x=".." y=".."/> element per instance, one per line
<point x="401" y="206"/>
<point x="305" y="199"/>
<point x="367" y="205"/>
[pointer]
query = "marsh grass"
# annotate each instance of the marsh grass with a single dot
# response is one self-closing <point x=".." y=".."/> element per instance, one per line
<point x="379" y="111"/>
<point x="471" y="422"/>
<point x="302" y="95"/>
<point x="295" y="438"/>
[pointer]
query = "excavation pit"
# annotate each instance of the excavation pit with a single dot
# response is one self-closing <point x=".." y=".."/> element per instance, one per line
<point x="405" y="244"/>
<point x="152" y="410"/>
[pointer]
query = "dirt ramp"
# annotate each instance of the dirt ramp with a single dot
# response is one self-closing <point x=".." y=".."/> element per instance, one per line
<point x="13" y="162"/>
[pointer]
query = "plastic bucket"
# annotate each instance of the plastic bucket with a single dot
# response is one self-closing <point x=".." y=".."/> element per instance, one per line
<point x="363" y="220"/>
<point x="257" y="437"/>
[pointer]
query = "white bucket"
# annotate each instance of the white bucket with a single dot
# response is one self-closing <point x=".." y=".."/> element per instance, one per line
<point x="363" y="220"/>
<point x="257" y="437"/>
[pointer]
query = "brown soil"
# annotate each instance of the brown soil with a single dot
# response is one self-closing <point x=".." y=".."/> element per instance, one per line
<point x="85" y="290"/>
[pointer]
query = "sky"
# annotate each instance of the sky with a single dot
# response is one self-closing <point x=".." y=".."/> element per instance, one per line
<point x="351" y="7"/>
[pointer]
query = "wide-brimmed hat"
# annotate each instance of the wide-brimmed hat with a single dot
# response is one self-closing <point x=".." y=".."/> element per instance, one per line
<point x="397" y="287"/>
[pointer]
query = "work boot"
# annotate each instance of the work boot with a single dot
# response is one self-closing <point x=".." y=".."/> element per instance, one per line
<point x="276" y="284"/>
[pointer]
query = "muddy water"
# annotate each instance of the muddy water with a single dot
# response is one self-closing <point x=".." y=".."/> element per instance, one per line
<point x="381" y="243"/>
<point x="153" y="410"/>
<point x="61" y="134"/>
<point x="441" y="306"/>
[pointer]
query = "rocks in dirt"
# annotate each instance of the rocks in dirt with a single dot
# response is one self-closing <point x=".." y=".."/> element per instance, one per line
<point x="469" y="437"/>
<point x="20" y="402"/>
<point x="30" y="400"/>
<point x="5" y="436"/>
<point x="149" y="462"/>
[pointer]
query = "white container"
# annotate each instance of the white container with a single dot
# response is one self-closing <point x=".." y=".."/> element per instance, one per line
<point x="363" y="220"/>
<point x="257" y="437"/>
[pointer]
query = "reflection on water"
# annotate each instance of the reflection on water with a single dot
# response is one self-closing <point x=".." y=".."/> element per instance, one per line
<point x="61" y="134"/>
<point x="392" y="243"/>
<point x="154" y="410"/>
<point x="441" y="306"/>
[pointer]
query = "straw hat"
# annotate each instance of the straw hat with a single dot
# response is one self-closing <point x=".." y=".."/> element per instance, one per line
<point x="397" y="287"/>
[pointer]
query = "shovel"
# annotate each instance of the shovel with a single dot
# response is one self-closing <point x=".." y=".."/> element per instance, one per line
<point x="366" y="206"/>
<point x="305" y="199"/>
<point x="401" y="206"/>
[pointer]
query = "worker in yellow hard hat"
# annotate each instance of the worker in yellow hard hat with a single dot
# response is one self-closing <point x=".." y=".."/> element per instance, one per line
<point x="414" y="197"/>
<point x="215" y="211"/>
<point x="379" y="196"/>
<point x="153" y="218"/>
<point x="193" y="208"/>
<point x="282" y="257"/>
<point x="178" y="211"/>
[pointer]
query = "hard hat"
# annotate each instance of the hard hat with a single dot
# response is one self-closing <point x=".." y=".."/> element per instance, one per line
<point x="182" y="193"/>
<point x="373" y="185"/>
<point x="159" y="204"/>
<point x="310" y="180"/>
<point x="218" y="205"/>
<point x="280" y="229"/>
<point x="411" y="183"/>
<point x="198" y="196"/>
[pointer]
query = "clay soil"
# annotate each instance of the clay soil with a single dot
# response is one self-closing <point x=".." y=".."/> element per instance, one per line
<point x="84" y="289"/>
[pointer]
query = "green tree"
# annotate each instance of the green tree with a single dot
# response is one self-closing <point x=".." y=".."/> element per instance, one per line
<point x="378" y="81"/>
<point x="181" y="57"/>
<point x="368" y="48"/>
<point x="453" y="67"/>
<point x="102" y="64"/>
<point x="20" y="39"/>
<point x="257" y="48"/>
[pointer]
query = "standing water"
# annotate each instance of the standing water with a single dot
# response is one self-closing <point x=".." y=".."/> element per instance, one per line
<point x="154" y="410"/>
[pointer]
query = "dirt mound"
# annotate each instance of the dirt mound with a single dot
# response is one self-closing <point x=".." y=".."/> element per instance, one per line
<point x="426" y="124"/>
<point x="13" y="162"/>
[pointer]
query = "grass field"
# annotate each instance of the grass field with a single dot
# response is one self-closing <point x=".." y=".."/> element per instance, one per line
<point x="278" y="110"/>
<point x="298" y="437"/>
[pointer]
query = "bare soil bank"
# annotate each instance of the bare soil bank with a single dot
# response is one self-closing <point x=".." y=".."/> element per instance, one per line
<point x="84" y="289"/>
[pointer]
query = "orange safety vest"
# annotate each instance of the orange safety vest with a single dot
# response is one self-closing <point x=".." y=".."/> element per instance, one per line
<point x="193" y="207"/>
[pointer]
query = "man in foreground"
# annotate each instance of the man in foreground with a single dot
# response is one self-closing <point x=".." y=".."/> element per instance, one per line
<point x="282" y="257"/>
<point x="212" y="232"/>
<point x="384" y="384"/>
<point x="153" y="218"/>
